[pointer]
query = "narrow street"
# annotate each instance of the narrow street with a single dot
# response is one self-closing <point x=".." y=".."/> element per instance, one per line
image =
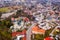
<point x="28" y="33"/>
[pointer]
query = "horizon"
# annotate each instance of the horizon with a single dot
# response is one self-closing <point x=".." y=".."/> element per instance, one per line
<point x="37" y="0"/>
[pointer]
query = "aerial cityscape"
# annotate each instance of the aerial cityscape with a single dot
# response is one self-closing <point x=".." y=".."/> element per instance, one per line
<point x="29" y="19"/>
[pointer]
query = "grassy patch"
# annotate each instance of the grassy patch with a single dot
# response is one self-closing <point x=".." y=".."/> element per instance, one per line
<point x="3" y="10"/>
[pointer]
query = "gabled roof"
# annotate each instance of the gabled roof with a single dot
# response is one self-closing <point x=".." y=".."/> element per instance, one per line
<point x="37" y="30"/>
<point x="14" y="34"/>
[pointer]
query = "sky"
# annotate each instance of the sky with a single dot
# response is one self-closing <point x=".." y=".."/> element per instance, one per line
<point x="56" y="0"/>
<point x="51" y="0"/>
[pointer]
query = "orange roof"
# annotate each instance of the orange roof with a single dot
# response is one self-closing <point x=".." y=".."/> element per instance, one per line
<point x="36" y="29"/>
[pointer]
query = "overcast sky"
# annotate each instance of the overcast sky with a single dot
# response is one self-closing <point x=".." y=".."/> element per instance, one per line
<point x="51" y="0"/>
<point x="56" y="0"/>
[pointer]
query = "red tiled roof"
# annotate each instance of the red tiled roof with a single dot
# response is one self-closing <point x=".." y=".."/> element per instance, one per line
<point x="48" y="38"/>
<point x="18" y="33"/>
<point x="15" y="33"/>
<point x="24" y="32"/>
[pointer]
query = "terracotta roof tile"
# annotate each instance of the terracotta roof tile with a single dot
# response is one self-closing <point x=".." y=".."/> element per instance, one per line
<point x="37" y="29"/>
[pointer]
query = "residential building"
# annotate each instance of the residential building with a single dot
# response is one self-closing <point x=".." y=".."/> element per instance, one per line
<point x="19" y="35"/>
<point x="37" y="30"/>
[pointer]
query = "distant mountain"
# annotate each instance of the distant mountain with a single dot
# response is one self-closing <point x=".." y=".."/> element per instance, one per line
<point x="2" y="2"/>
<point x="55" y="0"/>
<point x="42" y="1"/>
<point x="56" y="3"/>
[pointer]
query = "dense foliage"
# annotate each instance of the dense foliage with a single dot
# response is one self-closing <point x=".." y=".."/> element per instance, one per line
<point x="5" y="34"/>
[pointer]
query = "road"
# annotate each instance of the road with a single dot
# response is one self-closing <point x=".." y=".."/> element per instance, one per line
<point x="28" y="33"/>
